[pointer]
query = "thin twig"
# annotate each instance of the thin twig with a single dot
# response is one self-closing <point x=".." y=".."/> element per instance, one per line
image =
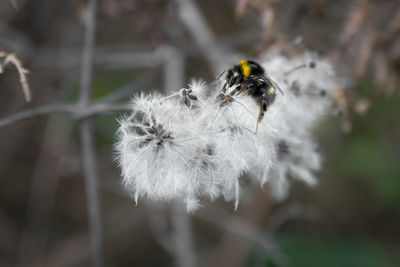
<point x="11" y="58"/>
<point x="29" y="113"/>
<point x="194" y="20"/>
<point x="158" y="224"/>
<point x="234" y="224"/>
<point x="86" y="138"/>
<point x="92" y="192"/>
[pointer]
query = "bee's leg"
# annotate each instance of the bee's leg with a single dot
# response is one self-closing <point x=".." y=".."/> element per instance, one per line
<point x="236" y="91"/>
<point x="263" y="109"/>
<point x="243" y="91"/>
<point x="228" y="97"/>
<point x="260" y="116"/>
<point x="224" y="88"/>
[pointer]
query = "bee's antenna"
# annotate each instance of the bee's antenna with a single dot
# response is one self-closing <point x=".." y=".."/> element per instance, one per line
<point x="310" y="65"/>
<point x="221" y="74"/>
<point x="280" y="90"/>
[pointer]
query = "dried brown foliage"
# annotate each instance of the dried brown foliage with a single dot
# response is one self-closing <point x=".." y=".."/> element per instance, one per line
<point x="9" y="58"/>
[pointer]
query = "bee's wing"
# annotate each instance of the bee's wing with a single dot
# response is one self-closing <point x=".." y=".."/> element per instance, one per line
<point x="273" y="83"/>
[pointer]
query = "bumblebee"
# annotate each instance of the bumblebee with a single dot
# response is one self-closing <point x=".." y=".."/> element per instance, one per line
<point x="249" y="77"/>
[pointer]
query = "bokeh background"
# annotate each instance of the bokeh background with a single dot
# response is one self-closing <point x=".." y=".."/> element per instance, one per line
<point x="351" y="218"/>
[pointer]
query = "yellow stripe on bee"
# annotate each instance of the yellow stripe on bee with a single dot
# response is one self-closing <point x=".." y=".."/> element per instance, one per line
<point x="246" y="70"/>
<point x="271" y="90"/>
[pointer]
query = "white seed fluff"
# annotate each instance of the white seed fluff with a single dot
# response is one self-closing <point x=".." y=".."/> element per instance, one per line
<point x="186" y="146"/>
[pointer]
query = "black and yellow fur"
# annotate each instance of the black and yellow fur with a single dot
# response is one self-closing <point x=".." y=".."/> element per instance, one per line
<point x="249" y="77"/>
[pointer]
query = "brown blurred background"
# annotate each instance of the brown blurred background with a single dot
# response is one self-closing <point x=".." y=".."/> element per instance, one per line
<point x="351" y="219"/>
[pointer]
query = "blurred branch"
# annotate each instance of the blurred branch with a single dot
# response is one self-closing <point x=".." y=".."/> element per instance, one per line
<point x="183" y="236"/>
<point x="42" y="193"/>
<point x="267" y="19"/>
<point x="130" y="59"/>
<point x="144" y="59"/>
<point x="14" y="4"/>
<point x="158" y="223"/>
<point x="29" y="113"/>
<point x="88" y="53"/>
<point x="289" y="212"/>
<point x="355" y="19"/>
<point x="192" y="17"/>
<point x="74" y="110"/>
<point x="244" y="229"/>
<point x="86" y="138"/>
<point x="233" y="224"/>
<point x="92" y="192"/>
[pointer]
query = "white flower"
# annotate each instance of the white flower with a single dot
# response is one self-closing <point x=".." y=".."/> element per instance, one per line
<point x="160" y="153"/>
<point x="296" y="157"/>
<point x="188" y="146"/>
